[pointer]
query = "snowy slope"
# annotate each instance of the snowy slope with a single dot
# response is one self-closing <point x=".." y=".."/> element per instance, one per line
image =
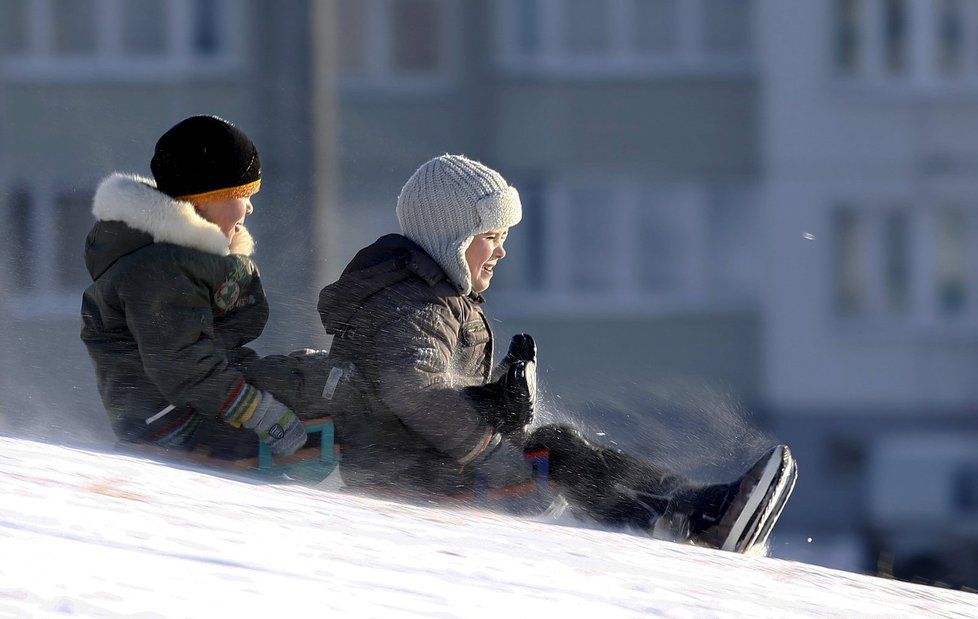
<point x="94" y="534"/>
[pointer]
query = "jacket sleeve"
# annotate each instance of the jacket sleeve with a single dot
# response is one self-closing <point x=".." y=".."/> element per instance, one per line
<point x="173" y="325"/>
<point x="413" y="355"/>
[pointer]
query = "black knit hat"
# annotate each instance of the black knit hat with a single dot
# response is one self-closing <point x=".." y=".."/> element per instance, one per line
<point x="206" y="159"/>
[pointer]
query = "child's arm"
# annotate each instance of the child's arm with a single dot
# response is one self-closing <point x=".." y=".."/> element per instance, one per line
<point x="413" y="354"/>
<point x="174" y="330"/>
<point x="173" y="326"/>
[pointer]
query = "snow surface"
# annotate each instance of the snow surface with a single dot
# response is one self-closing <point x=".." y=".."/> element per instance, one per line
<point x="94" y="534"/>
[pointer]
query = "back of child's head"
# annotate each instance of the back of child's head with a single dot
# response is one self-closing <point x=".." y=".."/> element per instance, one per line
<point x="206" y="159"/>
<point x="449" y="200"/>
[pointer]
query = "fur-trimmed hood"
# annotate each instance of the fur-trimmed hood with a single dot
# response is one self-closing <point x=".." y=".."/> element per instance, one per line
<point x="136" y="202"/>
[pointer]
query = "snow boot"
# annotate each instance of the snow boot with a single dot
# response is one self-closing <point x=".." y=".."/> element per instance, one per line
<point x="738" y="516"/>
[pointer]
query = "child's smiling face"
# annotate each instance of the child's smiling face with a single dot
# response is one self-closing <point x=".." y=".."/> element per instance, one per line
<point x="482" y="255"/>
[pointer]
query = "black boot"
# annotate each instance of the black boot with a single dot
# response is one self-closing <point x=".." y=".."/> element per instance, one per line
<point x="739" y="515"/>
<point x="604" y="484"/>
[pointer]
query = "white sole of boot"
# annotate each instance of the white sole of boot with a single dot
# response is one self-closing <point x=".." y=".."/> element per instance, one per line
<point x="778" y="500"/>
<point x="778" y="470"/>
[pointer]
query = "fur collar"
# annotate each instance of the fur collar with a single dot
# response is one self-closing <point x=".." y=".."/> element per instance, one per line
<point x="135" y="201"/>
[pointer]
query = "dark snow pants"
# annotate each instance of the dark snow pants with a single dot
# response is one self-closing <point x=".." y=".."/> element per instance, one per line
<point x="605" y="484"/>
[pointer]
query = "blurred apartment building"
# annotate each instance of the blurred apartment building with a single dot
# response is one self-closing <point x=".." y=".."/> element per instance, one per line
<point x="774" y="202"/>
<point x="86" y="87"/>
<point x="870" y="360"/>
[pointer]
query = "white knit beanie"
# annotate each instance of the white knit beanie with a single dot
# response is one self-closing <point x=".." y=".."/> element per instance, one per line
<point x="449" y="200"/>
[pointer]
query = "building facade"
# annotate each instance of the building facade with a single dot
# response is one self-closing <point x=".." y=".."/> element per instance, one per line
<point x="869" y="302"/>
<point x="85" y="89"/>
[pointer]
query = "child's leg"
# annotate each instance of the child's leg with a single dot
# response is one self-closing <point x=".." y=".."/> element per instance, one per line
<point x="618" y="489"/>
<point x="606" y="484"/>
<point x="296" y="380"/>
<point x="216" y="439"/>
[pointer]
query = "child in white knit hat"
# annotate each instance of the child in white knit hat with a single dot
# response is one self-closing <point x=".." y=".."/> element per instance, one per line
<point x="419" y="405"/>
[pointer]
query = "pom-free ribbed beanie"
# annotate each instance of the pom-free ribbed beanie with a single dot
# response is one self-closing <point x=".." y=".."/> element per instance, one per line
<point x="206" y="159"/>
<point x="449" y="200"/>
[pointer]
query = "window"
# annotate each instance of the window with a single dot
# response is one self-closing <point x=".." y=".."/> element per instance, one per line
<point x="417" y="27"/>
<point x="732" y="243"/>
<point x="659" y="225"/>
<point x="207" y="35"/>
<point x="871" y="252"/>
<point x="896" y="261"/>
<point x="120" y="39"/>
<point x="352" y="16"/>
<point x="587" y="27"/>
<point x="142" y="27"/>
<point x="14" y="27"/>
<point x="895" y="36"/>
<point x="964" y="488"/>
<point x="951" y="36"/>
<point x="905" y="266"/>
<point x="847" y="48"/>
<point x="727" y="27"/>
<point x="624" y="244"/>
<point x="951" y="275"/>
<point x="529" y="27"/>
<point x="395" y="43"/>
<point x="74" y="28"/>
<point x="47" y="227"/>
<point x="654" y="27"/>
<point x="591" y="234"/>
<point x="585" y="38"/>
<point x="906" y="44"/>
<point x="524" y="264"/>
<point x="849" y="255"/>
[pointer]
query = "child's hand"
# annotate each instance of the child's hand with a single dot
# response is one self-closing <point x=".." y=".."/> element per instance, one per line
<point x="508" y="404"/>
<point x="273" y="422"/>
<point x="520" y="394"/>
<point x="278" y="427"/>
<point x="521" y="348"/>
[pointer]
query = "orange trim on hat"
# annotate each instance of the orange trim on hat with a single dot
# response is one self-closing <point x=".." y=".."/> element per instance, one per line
<point x="219" y="195"/>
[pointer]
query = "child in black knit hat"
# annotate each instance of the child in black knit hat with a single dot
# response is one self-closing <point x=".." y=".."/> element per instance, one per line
<point x="175" y="297"/>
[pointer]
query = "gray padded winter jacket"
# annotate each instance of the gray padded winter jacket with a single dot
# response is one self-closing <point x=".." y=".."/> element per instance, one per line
<point x="406" y="343"/>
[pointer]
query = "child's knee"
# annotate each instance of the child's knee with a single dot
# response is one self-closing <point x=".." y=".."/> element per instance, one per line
<point x="556" y="438"/>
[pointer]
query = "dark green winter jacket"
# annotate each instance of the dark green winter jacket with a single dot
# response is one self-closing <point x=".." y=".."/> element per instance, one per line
<point x="168" y="313"/>
<point x="406" y="343"/>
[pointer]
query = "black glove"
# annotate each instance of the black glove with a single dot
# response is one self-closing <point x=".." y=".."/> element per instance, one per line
<point x="521" y="348"/>
<point x="508" y="404"/>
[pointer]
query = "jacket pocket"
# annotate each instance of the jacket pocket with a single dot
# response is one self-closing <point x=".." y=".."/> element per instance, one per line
<point x="474" y="333"/>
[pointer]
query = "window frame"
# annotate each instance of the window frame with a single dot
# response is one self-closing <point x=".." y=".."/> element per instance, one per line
<point x="625" y="297"/>
<point x="110" y="62"/>
<point x="45" y="298"/>
<point x="923" y="74"/>
<point x="380" y="73"/>
<point x="690" y="57"/>
<point x="922" y="315"/>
